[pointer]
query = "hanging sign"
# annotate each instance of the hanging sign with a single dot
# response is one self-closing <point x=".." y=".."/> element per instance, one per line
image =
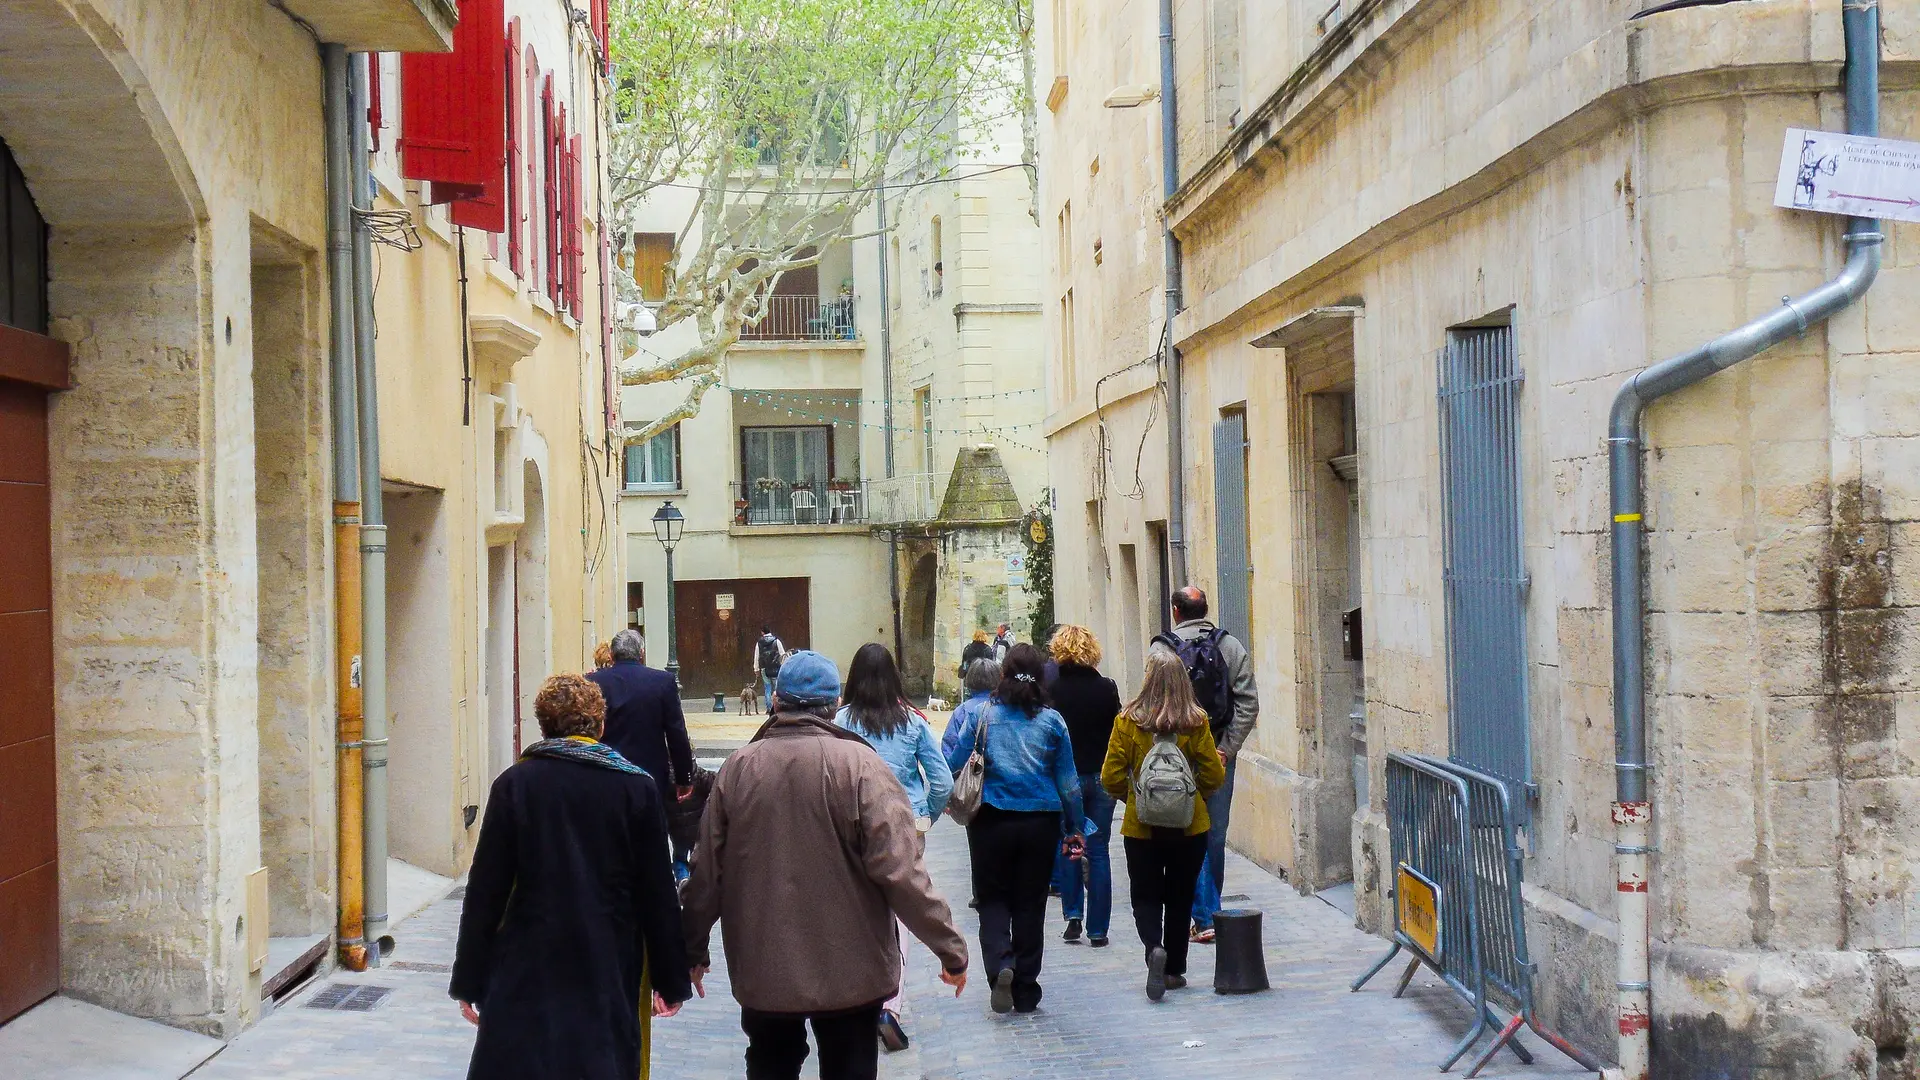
<point x="1418" y="906"/>
<point x="1037" y="530"/>
<point x="1016" y="564"/>
<point x="1831" y="173"/>
<point x="723" y="601"/>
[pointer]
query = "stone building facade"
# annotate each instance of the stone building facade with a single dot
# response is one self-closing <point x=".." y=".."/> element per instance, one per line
<point x="792" y="494"/>
<point x="185" y="640"/>
<point x="1583" y="195"/>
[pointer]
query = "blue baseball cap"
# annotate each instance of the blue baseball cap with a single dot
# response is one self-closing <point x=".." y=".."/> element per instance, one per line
<point x="807" y="678"/>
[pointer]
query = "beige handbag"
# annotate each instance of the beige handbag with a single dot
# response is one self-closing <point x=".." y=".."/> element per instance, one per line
<point x="969" y="785"/>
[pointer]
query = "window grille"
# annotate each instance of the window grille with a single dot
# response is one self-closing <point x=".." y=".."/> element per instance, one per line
<point x="1485" y="569"/>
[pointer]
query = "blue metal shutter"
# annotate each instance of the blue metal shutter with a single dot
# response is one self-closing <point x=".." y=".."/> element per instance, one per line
<point x="1232" y="600"/>
<point x="1486" y="577"/>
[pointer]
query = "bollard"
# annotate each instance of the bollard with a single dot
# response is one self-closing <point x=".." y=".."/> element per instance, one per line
<point x="719" y="703"/>
<point x="1239" y="954"/>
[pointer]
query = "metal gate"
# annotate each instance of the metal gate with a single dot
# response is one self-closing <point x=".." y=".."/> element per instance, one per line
<point x="1486" y="576"/>
<point x="1232" y="601"/>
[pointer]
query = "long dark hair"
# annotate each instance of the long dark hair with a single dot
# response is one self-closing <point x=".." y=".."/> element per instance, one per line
<point x="875" y="697"/>
<point x="1022" y="677"/>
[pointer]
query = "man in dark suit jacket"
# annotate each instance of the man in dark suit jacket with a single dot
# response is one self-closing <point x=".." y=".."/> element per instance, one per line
<point x="644" y="721"/>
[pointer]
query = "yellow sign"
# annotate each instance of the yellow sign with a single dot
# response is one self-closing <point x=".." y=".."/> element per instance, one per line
<point x="1418" y="899"/>
<point x="1037" y="528"/>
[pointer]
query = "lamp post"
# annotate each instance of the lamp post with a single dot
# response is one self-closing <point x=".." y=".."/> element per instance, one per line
<point x="667" y="523"/>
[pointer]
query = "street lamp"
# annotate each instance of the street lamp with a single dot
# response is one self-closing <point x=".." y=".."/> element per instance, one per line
<point x="667" y="523"/>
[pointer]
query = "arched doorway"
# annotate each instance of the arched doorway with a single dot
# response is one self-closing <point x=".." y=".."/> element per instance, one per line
<point x="130" y="465"/>
<point x="917" y="650"/>
<point x="535" y="652"/>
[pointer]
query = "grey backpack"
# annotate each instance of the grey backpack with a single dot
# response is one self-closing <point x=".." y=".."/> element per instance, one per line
<point x="1163" y="786"/>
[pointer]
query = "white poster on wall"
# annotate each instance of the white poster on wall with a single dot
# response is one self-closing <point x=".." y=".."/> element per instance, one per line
<point x="1829" y="172"/>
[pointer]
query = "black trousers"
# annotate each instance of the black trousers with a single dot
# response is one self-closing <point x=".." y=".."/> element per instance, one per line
<point x="777" y="1043"/>
<point x="1013" y="854"/>
<point x="1161" y="874"/>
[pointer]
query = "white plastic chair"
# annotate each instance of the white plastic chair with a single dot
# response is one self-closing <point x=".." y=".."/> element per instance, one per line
<point x="803" y="500"/>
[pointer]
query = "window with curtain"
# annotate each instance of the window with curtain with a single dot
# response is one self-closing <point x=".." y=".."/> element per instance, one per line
<point x="781" y="460"/>
<point x="654" y="465"/>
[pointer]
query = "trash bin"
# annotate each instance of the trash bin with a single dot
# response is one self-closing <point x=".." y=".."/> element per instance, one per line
<point x="1239" y="954"/>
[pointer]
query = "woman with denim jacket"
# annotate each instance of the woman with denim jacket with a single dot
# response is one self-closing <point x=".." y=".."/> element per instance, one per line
<point x="1031" y="795"/>
<point x="876" y="709"/>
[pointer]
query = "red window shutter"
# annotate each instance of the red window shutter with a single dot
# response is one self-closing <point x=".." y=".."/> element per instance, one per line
<point x="450" y="123"/>
<point x="514" y="142"/>
<point x="576" y="226"/>
<point x="374" y="119"/>
<point x="550" y="166"/>
<point x="606" y="330"/>
<point x="597" y="16"/>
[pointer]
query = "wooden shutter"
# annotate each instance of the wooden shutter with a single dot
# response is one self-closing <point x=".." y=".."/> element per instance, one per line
<point x="652" y="253"/>
<point x="576" y="229"/>
<point x="597" y="16"/>
<point x="1233" y="585"/>
<point x="550" y="162"/>
<point x="514" y="143"/>
<point x="450" y="129"/>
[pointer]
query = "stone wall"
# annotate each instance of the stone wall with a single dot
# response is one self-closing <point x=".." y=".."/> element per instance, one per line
<point x="1613" y="184"/>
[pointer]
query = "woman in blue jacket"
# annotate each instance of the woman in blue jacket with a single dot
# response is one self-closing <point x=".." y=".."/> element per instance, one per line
<point x="1031" y="796"/>
<point x="875" y="708"/>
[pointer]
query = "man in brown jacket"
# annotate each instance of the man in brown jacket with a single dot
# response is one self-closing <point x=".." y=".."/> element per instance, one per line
<point x="807" y="854"/>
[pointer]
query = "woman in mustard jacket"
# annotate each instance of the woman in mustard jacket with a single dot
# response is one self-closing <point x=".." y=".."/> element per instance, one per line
<point x="1163" y="864"/>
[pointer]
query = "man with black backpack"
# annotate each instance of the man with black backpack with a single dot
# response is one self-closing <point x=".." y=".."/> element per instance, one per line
<point x="769" y="652"/>
<point x="1222" y="676"/>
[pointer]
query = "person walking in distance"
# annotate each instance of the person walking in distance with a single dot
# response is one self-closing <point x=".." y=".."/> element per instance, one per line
<point x="876" y="709"/>
<point x="1088" y="701"/>
<point x="1222" y="676"/>
<point x="1030" y="797"/>
<point x="1002" y="641"/>
<point x="977" y="649"/>
<point x="1162" y="760"/>
<point x="570" y="894"/>
<point x="768" y="652"/>
<point x="807" y="854"/>
<point x="644" y="721"/>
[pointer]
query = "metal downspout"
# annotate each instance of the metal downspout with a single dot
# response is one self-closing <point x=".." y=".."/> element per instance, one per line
<point x="373" y="542"/>
<point x="350" y="930"/>
<point x="1176" y="403"/>
<point x="1631" y="810"/>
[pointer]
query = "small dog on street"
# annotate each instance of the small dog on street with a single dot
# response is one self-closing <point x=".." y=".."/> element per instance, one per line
<point x="935" y="704"/>
<point x="749" y="699"/>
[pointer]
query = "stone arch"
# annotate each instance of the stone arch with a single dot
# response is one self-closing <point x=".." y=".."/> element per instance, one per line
<point x="916" y="662"/>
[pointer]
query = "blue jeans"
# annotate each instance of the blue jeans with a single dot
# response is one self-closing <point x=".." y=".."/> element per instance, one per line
<point x="1213" y="875"/>
<point x="766" y="693"/>
<point x="1092" y="901"/>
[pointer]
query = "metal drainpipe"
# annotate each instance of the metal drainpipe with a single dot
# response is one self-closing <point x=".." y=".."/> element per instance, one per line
<point x="1176" y="405"/>
<point x="1631" y="809"/>
<point x="350" y="931"/>
<point x="886" y="416"/>
<point x="373" y="544"/>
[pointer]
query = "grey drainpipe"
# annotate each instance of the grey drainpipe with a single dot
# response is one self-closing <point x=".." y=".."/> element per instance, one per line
<point x="373" y="542"/>
<point x="1631" y="811"/>
<point x="1176" y="404"/>
<point x="886" y="415"/>
<point x="346" y="483"/>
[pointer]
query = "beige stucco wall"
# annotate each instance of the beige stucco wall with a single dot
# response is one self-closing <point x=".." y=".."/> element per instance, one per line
<point x="536" y="434"/>
<point x="1614" y="184"/>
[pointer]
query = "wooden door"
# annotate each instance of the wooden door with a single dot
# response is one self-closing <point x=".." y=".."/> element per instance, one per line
<point x="717" y="642"/>
<point x="30" y="365"/>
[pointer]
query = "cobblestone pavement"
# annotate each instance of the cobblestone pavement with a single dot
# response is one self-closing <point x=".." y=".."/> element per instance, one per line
<point x="1095" y="1021"/>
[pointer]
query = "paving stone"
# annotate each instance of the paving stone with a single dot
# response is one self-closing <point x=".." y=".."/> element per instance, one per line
<point x="1095" y="1020"/>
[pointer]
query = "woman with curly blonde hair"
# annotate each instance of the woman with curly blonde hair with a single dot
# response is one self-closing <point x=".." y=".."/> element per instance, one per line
<point x="1088" y="701"/>
<point x="570" y="894"/>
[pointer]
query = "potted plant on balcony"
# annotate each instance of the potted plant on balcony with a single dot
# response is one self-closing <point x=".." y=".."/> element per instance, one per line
<point x="840" y="483"/>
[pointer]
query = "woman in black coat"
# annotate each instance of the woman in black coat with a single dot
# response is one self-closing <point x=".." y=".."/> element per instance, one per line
<point x="571" y="891"/>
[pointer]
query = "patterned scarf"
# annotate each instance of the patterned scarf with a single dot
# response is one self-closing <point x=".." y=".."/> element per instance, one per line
<point x="584" y="750"/>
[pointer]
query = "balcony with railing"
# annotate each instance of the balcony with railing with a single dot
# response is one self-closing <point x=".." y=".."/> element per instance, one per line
<point x="790" y="317"/>
<point x="768" y="501"/>
<point x="902" y="500"/>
